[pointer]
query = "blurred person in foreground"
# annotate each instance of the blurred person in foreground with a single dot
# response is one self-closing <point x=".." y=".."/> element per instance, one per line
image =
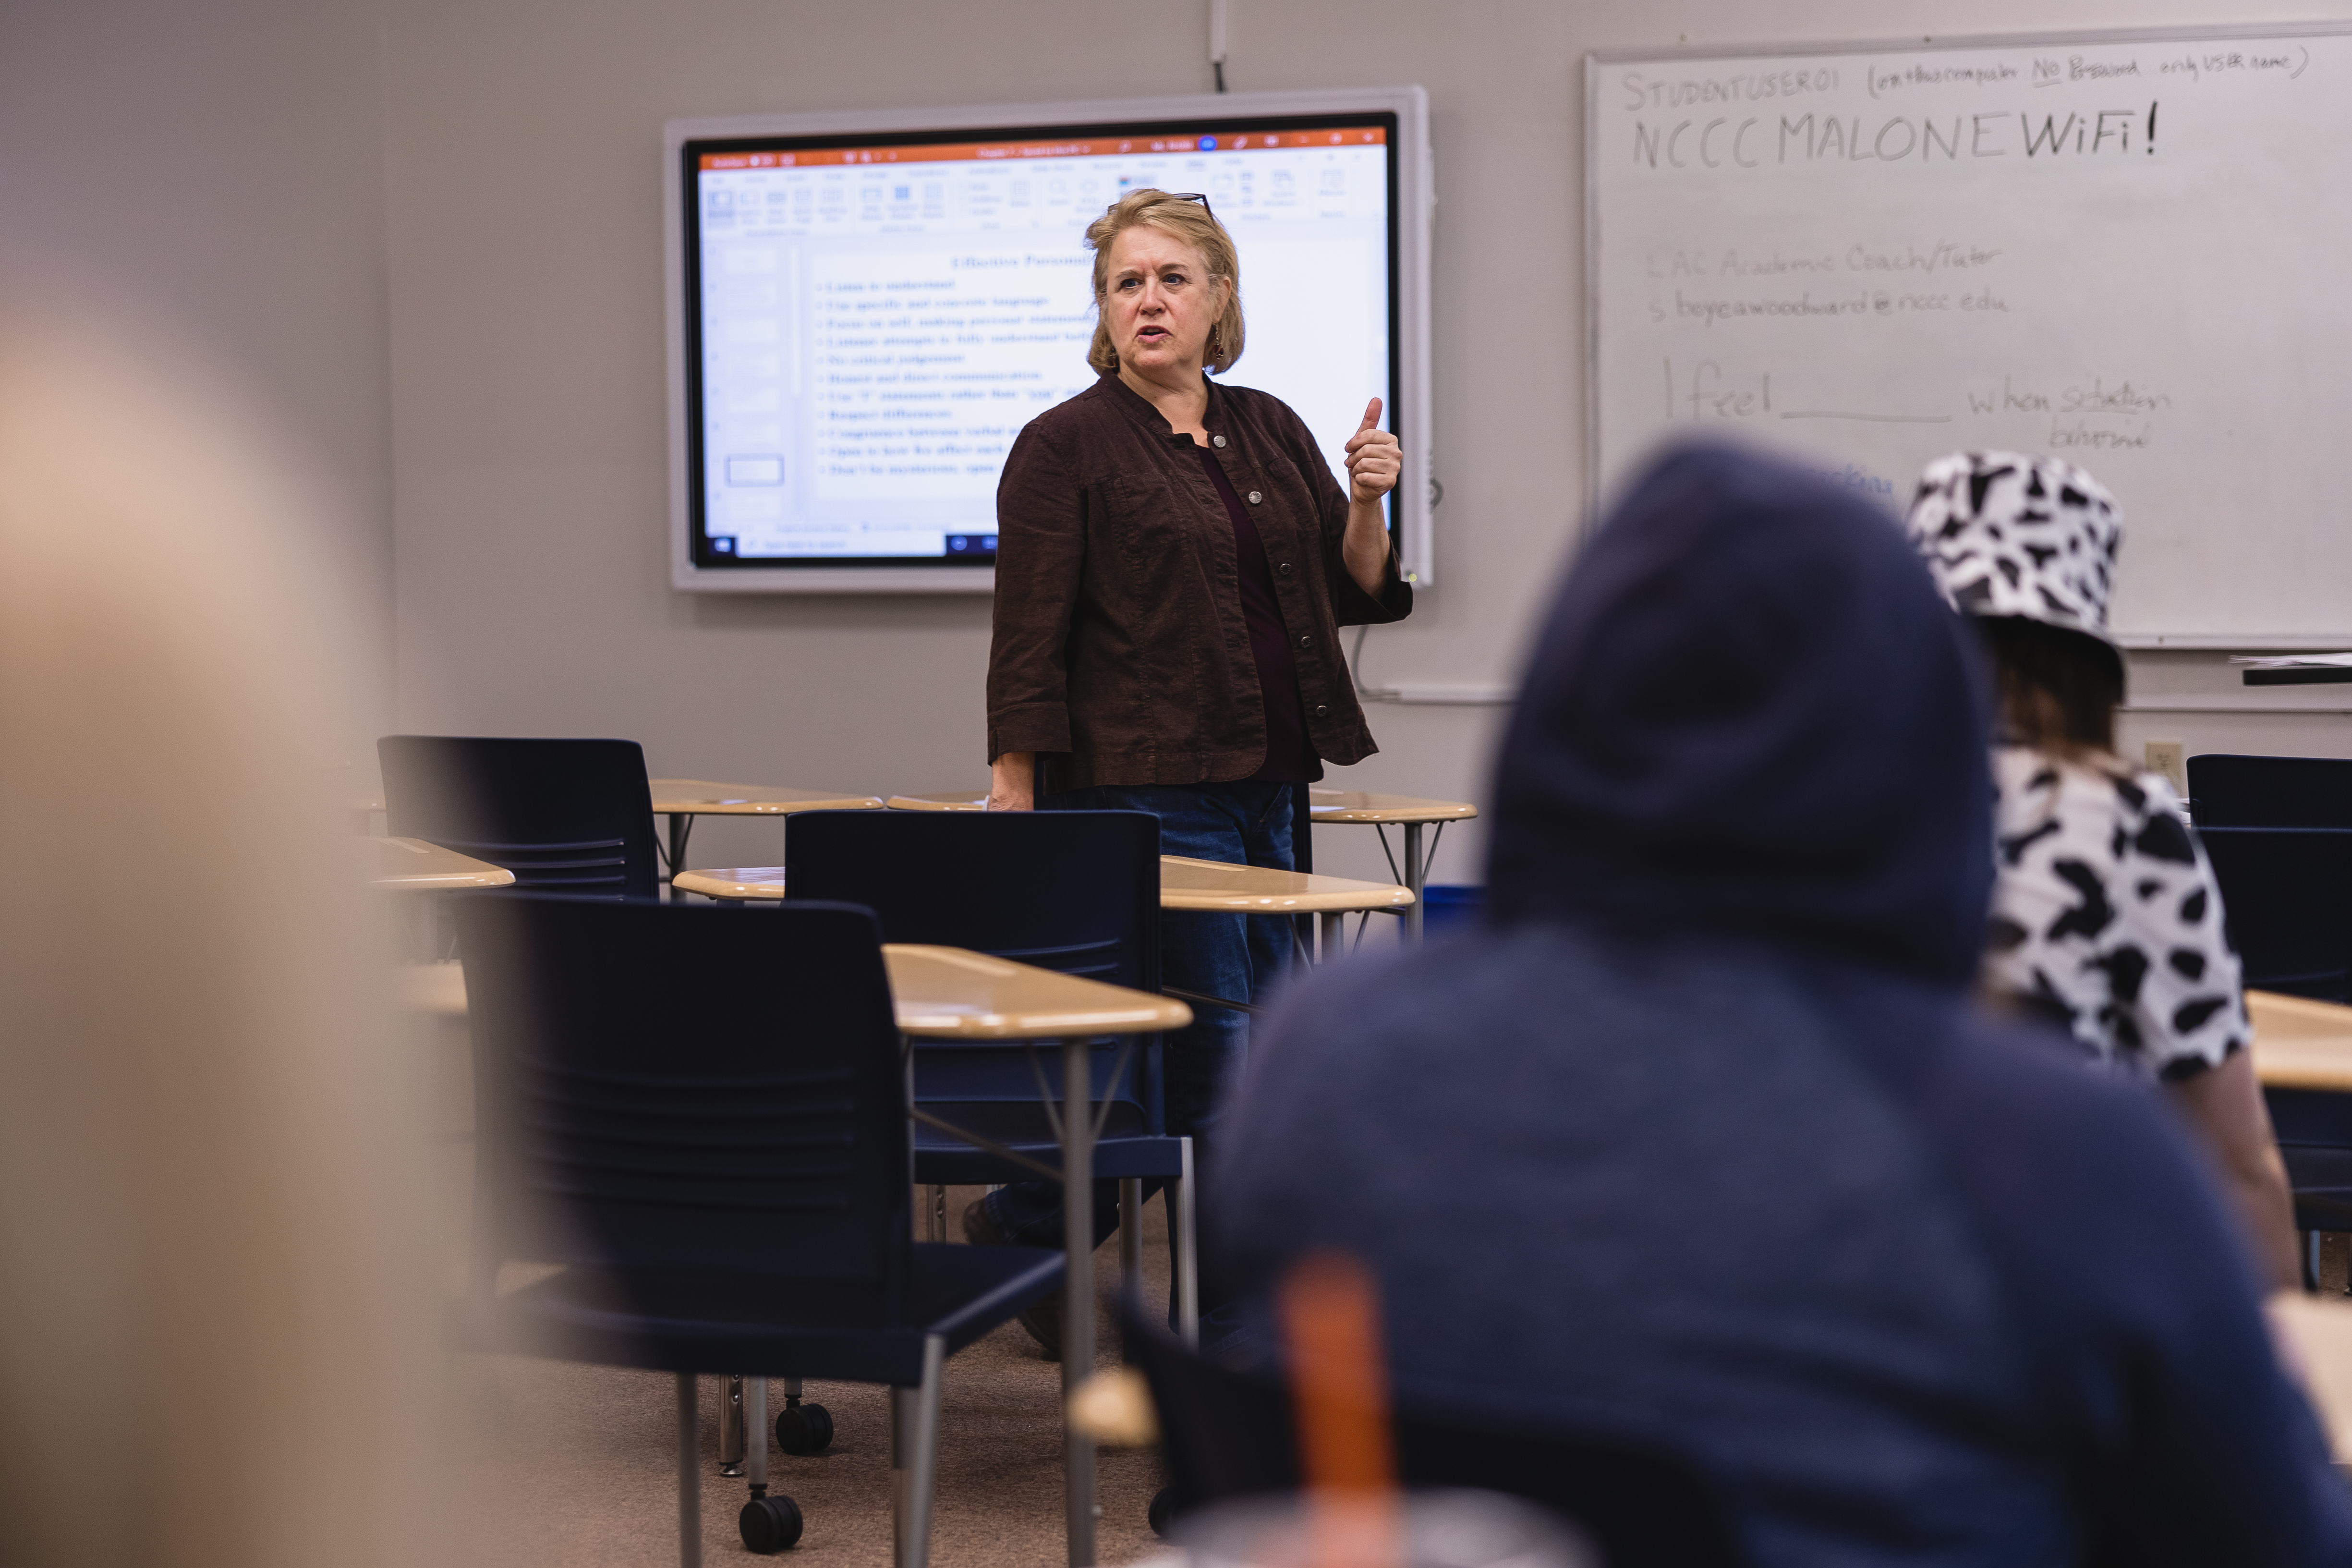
<point x="1702" y="1141"/>
<point x="2106" y="921"/>
<point x="220" y="1342"/>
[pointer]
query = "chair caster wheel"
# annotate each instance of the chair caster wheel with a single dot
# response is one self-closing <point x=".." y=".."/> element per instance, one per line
<point x="803" y="1429"/>
<point x="770" y="1523"/>
<point x="1163" y="1512"/>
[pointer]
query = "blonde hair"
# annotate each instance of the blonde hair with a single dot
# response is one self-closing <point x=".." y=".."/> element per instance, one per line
<point x="209" y="1180"/>
<point x="1197" y="226"/>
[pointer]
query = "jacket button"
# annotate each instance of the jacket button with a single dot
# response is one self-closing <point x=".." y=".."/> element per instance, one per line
<point x="1283" y="570"/>
<point x="1306" y="642"/>
<point x="1255" y="497"/>
<point x="1216" y="440"/>
<point x="1322" y="711"/>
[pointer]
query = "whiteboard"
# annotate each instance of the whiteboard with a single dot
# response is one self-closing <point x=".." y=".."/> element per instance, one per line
<point x="2131" y="251"/>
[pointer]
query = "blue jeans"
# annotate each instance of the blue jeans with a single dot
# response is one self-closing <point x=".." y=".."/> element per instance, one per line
<point x="1236" y="956"/>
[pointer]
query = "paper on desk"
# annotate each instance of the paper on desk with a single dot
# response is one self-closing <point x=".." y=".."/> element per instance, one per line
<point x="2293" y="660"/>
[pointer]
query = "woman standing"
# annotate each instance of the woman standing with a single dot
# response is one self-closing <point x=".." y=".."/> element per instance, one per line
<point x="1174" y="561"/>
<point x="2105" y="919"/>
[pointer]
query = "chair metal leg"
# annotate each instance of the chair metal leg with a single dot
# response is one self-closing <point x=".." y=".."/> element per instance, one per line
<point x="935" y="1207"/>
<point x="1188" y="1253"/>
<point x="755" y="1422"/>
<point x="690" y="1474"/>
<point x="731" y="1426"/>
<point x="1330" y="935"/>
<point x="1078" y="1298"/>
<point x="914" y="1458"/>
<point x="1416" y="876"/>
<point x="681" y="826"/>
<point x="1130" y="1235"/>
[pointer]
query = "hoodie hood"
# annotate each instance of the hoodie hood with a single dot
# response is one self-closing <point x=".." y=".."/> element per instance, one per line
<point x="1750" y="711"/>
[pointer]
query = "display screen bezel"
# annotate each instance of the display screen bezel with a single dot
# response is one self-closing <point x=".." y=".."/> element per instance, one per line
<point x="705" y="557"/>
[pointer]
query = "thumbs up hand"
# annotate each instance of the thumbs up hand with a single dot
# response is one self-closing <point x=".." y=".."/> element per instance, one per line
<point x="1374" y="460"/>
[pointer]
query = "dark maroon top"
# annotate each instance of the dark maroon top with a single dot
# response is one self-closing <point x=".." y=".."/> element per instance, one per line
<point x="1289" y="756"/>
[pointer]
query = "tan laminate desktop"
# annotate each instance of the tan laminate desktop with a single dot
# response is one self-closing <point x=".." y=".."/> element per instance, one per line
<point x="937" y="994"/>
<point x="414" y="866"/>
<point x="680" y="801"/>
<point x="947" y="800"/>
<point x="2300" y="1044"/>
<point x="1217" y="887"/>
<point x="707" y="797"/>
<point x="950" y="994"/>
<point x="2313" y="1334"/>
<point x="1362" y="805"/>
<point x="1201" y="885"/>
<point x="735" y="883"/>
<point x="1324" y="806"/>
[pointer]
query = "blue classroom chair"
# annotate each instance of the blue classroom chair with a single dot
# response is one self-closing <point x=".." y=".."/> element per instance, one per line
<point x="2313" y="1127"/>
<point x="2231" y="790"/>
<point x="2281" y="891"/>
<point x="700" y="1113"/>
<point x="564" y="815"/>
<point x="2286" y="894"/>
<point x="1072" y="891"/>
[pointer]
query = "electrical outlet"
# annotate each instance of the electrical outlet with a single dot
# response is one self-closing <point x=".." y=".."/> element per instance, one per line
<point x="2170" y="759"/>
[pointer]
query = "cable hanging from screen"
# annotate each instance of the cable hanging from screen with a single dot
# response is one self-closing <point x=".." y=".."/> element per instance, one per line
<point x="1220" y="24"/>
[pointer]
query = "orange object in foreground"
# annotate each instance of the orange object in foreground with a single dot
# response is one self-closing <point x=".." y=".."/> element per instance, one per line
<point x="1332" y="1328"/>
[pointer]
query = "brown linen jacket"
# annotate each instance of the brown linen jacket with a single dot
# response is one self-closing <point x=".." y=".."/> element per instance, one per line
<point x="1120" y="655"/>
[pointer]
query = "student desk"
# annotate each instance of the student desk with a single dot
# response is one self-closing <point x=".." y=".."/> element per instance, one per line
<point x="947" y="994"/>
<point x="939" y="993"/>
<point x="1407" y="812"/>
<point x="1217" y="887"/>
<point x="1323" y="806"/>
<point x="1210" y="887"/>
<point x="2300" y="1044"/>
<point x="680" y="801"/>
<point x="683" y="800"/>
<point x="414" y="866"/>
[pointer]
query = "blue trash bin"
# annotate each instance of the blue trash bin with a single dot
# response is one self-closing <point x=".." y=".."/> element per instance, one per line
<point x="1451" y="907"/>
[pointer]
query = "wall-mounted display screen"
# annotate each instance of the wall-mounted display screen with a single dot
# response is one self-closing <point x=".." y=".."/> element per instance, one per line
<point x="865" y="320"/>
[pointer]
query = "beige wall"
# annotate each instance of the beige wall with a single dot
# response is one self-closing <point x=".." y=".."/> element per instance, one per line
<point x="526" y="272"/>
<point x="216" y="168"/>
<point x="426" y="235"/>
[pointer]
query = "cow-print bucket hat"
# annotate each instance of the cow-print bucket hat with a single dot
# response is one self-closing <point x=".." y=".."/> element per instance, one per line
<point x="2009" y="534"/>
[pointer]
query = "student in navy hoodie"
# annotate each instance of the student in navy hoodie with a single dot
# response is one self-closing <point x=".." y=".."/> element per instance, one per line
<point x="1701" y="1140"/>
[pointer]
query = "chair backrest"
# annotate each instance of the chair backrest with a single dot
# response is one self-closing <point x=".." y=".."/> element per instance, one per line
<point x="2230" y="790"/>
<point x="1227" y="1434"/>
<point x="1072" y="891"/>
<point x="2287" y="895"/>
<point x="676" y="1088"/>
<point x="573" y="817"/>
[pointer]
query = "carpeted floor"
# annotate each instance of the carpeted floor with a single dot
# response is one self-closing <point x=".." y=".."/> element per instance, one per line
<point x="573" y="1465"/>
